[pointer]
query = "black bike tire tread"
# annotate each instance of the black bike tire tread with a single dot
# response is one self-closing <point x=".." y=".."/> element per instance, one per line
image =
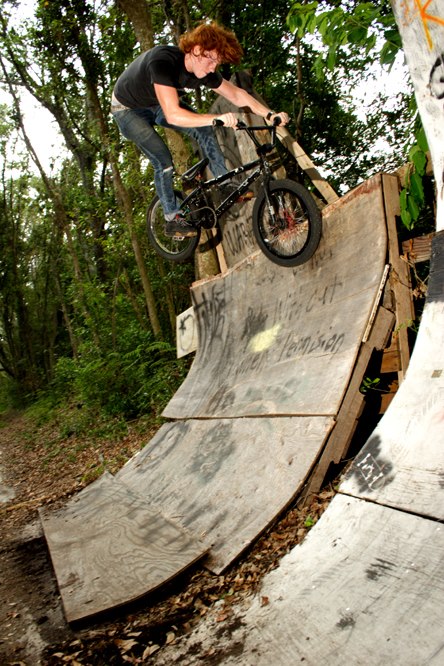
<point x="176" y="257"/>
<point x="315" y="219"/>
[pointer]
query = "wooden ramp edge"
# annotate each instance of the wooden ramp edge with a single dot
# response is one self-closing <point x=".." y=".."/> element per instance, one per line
<point x="109" y="547"/>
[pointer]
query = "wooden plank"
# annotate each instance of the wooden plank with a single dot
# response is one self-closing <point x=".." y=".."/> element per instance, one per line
<point x="352" y="406"/>
<point x="321" y="184"/>
<point x="109" y="547"/>
<point x="387" y="398"/>
<point x="402" y="463"/>
<point x="277" y="341"/>
<point x="226" y="479"/>
<point x="418" y="249"/>
<point x="400" y="274"/>
<point x="390" y="359"/>
<point x="376" y="303"/>
<point x="365" y="587"/>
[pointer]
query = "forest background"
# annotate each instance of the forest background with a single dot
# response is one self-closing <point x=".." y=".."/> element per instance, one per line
<point x="87" y="309"/>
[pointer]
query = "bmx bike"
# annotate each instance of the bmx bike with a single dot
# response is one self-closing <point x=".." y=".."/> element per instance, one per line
<point x="287" y="223"/>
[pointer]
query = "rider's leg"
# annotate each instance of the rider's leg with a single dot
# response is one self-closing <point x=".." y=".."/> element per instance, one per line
<point x="137" y="125"/>
<point x="204" y="136"/>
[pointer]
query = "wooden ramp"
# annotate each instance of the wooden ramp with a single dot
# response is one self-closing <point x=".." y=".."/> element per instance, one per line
<point x="226" y="479"/>
<point x="281" y="356"/>
<point x="366" y="586"/>
<point x="279" y="341"/>
<point x="109" y="546"/>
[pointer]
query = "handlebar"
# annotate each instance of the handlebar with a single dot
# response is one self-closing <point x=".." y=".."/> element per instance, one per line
<point x="217" y="122"/>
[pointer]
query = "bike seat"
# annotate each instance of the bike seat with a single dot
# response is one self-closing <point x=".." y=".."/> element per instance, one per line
<point x="195" y="170"/>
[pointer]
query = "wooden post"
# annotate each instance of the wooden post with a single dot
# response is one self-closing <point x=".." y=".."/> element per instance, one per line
<point x="307" y="165"/>
<point x="400" y="274"/>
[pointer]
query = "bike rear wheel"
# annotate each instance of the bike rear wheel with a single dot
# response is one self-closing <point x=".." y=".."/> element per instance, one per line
<point x="169" y="248"/>
<point x="289" y="230"/>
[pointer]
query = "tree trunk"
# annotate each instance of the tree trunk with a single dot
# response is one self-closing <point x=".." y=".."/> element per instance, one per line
<point x="125" y="201"/>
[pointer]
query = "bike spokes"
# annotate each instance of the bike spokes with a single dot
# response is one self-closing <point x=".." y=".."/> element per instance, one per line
<point x="287" y="223"/>
<point x="173" y="249"/>
<point x="286" y="226"/>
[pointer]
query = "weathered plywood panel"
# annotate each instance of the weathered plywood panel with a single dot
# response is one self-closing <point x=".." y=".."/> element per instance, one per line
<point x="109" y="547"/>
<point x="364" y="588"/>
<point x="402" y="464"/>
<point x="186" y="333"/>
<point x="226" y="480"/>
<point x="279" y="341"/>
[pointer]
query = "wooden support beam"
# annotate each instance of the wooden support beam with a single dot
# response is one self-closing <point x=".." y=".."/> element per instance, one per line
<point x="351" y="408"/>
<point x="400" y="274"/>
<point x="307" y="165"/>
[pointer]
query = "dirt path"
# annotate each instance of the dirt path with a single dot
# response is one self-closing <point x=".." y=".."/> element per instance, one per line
<point x="30" y="609"/>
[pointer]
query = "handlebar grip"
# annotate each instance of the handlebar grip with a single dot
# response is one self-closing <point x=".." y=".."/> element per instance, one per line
<point x="218" y="122"/>
<point x="277" y="121"/>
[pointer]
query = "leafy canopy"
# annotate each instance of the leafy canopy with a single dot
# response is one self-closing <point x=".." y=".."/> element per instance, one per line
<point x="368" y="29"/>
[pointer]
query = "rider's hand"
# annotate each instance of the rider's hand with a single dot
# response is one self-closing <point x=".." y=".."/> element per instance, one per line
<point x="284" y="117"/>
<point x="228" y="119"/>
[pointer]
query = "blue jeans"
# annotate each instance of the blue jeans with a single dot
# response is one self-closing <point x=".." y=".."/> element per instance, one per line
<point x="138" y="126"/>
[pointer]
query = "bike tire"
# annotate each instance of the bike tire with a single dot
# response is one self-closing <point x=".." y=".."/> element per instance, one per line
<point x="290" y="235"/>
<point x="169" y="248"/>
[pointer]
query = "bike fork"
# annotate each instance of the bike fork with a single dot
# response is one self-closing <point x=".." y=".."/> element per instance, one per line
<point x="268" y="200"/>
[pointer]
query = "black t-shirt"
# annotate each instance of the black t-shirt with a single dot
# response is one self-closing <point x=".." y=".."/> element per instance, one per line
<point x="161" y="64"/>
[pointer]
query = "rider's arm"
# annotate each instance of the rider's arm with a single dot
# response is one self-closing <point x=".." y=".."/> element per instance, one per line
<point x="242" y="98"/>
<point x="175" y="115"/>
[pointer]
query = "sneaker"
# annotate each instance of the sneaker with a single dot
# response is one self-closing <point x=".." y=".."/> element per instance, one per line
<point x="229" y="187"/>
<point x="178" y="227"/>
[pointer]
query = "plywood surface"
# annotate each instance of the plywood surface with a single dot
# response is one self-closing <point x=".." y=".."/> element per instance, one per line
<point x="364" y="588"/>
<point x="226" y="480"/>
<point x="279" y="341"/>
<point x="402" y="464"/>
<point x="108" y="547"/>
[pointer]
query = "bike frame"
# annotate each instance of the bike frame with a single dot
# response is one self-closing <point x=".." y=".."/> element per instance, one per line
<point x="259" y="166"/>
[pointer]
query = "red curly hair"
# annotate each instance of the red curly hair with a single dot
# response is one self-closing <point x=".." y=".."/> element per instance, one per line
<point x="213" y="37"/>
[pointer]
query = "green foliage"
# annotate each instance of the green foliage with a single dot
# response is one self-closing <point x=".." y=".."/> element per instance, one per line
<point x="345" y="29"/>
<point x="369" y="384"/>
<point x="412" y="198"/>
<point x="129" y="382"/>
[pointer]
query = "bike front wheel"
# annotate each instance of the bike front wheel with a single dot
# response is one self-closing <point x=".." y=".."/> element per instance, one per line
<point x="288" y="226"/>
<point x="169" y="248"/>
